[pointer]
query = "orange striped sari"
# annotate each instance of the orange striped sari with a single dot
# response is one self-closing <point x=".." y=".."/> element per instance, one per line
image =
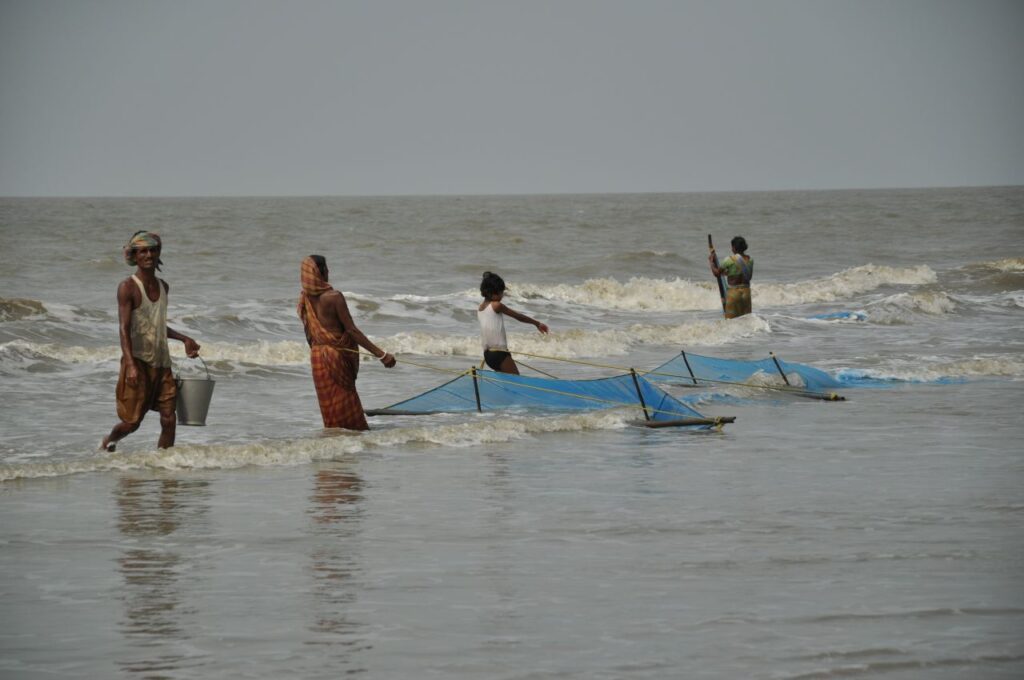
<point x="334" y="359"/>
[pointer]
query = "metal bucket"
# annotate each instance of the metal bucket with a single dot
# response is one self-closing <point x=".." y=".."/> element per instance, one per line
<point x="194" y="395"/>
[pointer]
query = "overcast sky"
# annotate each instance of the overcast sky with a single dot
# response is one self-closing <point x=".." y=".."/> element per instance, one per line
<point x="253" y="97"/>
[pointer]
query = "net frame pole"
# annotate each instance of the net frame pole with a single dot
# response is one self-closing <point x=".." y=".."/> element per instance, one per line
<point x="781" y="372"/>
<point x="687" y="362"/>
<point x="476" y="390"/>
<point x="639" y="394"/>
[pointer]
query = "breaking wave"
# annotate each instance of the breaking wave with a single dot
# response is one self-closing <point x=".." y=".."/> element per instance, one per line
<point x="938" y="370"/>
<point x="571" y="343"/>
<point x="337" y="445"/>
<point x="1007" y="265"/>
<point x="842" y="285"/>
<point x="587" y="343"/>
<point x="638" y="293"/>
<point x="904" y="307"/>
<point x="14" y="309"/>
<point x="646" y="294"/>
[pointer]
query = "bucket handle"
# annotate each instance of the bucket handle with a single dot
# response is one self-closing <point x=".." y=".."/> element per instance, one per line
<point x="207" y="368"/>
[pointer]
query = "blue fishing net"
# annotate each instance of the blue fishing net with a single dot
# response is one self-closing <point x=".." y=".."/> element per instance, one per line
<point x="714" y="369"/>
<point x="502" y="391"/>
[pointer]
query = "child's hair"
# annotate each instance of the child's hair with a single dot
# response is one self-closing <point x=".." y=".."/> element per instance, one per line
<point x="740" y="244"/>
<point x="491" y="285"/>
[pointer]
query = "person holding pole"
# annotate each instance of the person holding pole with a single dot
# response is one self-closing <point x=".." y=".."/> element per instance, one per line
<point x="737" y="269"/>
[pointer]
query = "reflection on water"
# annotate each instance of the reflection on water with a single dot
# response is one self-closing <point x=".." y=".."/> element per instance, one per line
<point x="336" y="508"/>
<point x="502" y="619"/>
<point x="156" y="616"/>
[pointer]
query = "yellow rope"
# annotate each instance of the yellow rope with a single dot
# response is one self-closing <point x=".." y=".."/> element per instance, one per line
<point x="483" y="362"/>
<point x="534" y="368"/>
<point x="407" y="361"/>
<point x="573" y="361"/>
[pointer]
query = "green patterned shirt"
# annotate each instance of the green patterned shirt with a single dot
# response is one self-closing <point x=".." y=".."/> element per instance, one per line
<point x="730" y="267"/>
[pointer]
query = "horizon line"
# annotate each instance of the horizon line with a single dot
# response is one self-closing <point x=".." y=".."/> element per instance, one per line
<point x="511" y="194"/>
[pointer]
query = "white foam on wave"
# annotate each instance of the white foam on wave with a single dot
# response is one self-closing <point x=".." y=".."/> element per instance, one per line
<point x="18" y="356"/>
<point x="904" y="307"/>
<point x="570" y="343"/>
<point x="937" y="369"/>
<point x="16" y="309"/>
<point x="483" y="429"/>
<point x="638" y="293"/>
<point x="840" y="286"/>
<point x="586" y="343"/>
<point x="22" y="309"/>
<point x="646" y="294"/>
<point x="281" y="353"/>
<point x="23" y="350"/>
<point x="1009" y="265"/>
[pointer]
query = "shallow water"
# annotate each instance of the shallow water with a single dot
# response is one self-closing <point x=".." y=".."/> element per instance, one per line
<point x="877" y="537"/>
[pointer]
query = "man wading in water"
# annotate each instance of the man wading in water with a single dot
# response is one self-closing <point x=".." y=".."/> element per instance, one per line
<point x="145" y="382"/>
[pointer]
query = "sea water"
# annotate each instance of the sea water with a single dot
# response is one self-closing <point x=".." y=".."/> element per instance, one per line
<point x="876" y="537"/>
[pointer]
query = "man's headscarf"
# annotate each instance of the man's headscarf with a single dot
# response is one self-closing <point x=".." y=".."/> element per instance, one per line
<point x="142" y="239"/>
<point x="313" y="284"/>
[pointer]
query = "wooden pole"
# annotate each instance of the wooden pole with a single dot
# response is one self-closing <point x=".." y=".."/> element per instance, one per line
<point x="687" y="362"/>
<point x="781" y="372"/>
<point x="639" y="394"/>
<point x="476" y="390"/>
<point x="721" y="286"/>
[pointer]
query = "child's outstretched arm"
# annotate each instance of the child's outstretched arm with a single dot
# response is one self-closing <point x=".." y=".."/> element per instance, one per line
<point x="502" y="309"/>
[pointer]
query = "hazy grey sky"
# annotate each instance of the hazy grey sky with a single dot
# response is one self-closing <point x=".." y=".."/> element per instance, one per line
<point x="246" y="97"/>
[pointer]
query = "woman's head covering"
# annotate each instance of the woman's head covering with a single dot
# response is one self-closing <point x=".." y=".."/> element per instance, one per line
<point x="142" y="239"/>
<point x="313" y="283"/>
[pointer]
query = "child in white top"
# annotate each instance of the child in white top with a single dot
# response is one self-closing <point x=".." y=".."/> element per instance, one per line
<point x="491" y="315"/>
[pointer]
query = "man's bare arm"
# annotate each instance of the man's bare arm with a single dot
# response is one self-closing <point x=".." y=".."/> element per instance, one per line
<point x="127" y="300"/>
<point x="191" y="346"/>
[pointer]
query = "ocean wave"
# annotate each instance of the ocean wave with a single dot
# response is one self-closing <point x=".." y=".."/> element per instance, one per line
<point x="333" y="446"/>
<point x="19" y="356"/>
<point x="589" y="343"/>
<point x="568" y="344"/>
<point x="1013" y="265"/>
<point x="842" y="285"/>
<point x="885" y="667"/>
<point x="938" y="370"/>
<point x="646" y="294"/>
<point x="904" y="307"/>
<point x="282" y="353"/>
<point x="840" y="317"/>
<point x="15" y="309"/>
<point x="638" y="293"/>
<point x="24" y="354"/>
<point x="642" y="255"/>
